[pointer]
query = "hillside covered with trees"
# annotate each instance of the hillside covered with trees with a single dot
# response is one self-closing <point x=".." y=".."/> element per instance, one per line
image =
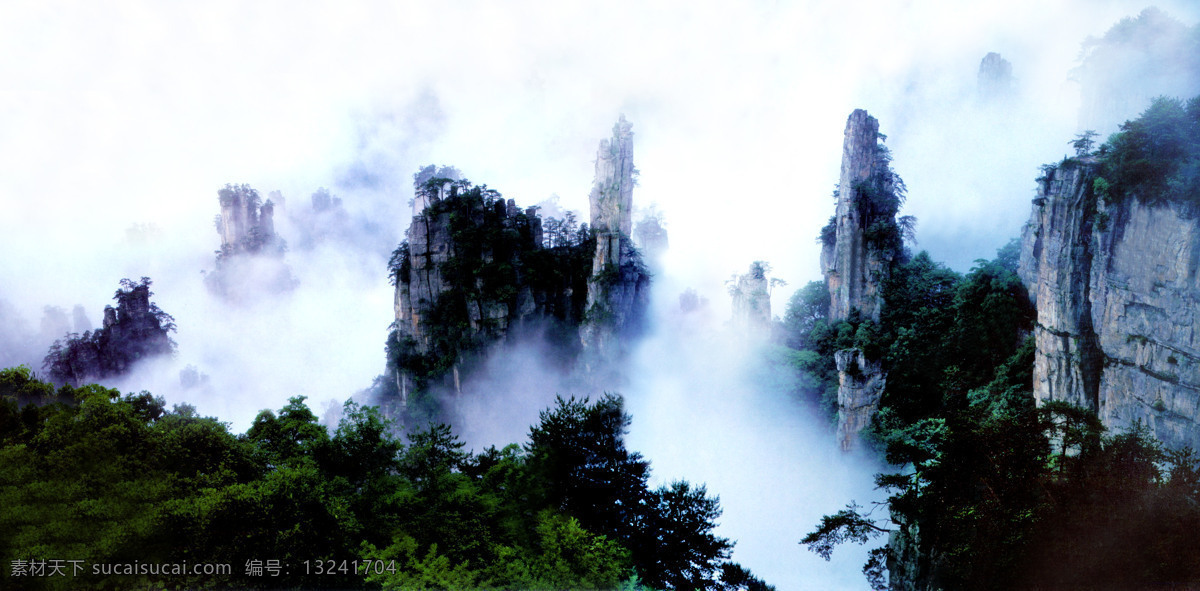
<point x="987" y="489"/>
<point x="138" y="495"/>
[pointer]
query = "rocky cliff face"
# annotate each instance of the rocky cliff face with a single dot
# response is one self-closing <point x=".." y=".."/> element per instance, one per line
<point x="853" y="270"/>
<point x="855" y="260"/>
<point x="475" y="270"/>
<point x="860" y="386"/>
<point x="246" y="223"/>
<point x="250" y="260"/>
<point x="618" y="292"/>
<point x="1117" y="296"/>
<point x="470" y="271"/>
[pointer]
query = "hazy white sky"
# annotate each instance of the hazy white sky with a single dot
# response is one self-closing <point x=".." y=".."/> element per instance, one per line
<point x="136" y="112"/>
<point x="114" y="114"/>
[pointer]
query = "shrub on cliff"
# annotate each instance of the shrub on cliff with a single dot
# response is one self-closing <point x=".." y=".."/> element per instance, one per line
<point x="136" y="329"/>
<point x="1156" y="157"/>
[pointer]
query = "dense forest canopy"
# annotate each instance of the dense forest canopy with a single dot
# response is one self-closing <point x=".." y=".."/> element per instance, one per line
<point x="108" y="479"/>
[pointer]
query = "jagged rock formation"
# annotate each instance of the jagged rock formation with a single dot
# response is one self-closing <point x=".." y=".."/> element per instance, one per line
<point x="852" y="260"/>
<point x="136" y="329"/>
<point x="473" y="272"/>
<point x="995" y="77"/>
<point x="1117" y="294"/>
<point x="859" y="247"/>
<point x="251" y="252"/>
<point x="618" y="291"/>
<point x="752" y="300"/>
<point x="246" y="223"/>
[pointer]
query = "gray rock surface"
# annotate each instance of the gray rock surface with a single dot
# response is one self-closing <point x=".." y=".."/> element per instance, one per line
<point x="1117" y="296"/>
<point x="854" y="273"/>
<point x="860" y="385"/>
<point x="618" y="292"/>
<point x="430" y="247"/>
<point x="995" y="77"/>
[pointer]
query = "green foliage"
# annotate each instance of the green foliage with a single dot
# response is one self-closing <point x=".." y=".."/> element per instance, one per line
<point x="828" y="235"/>
<point x="89" y="474"/>
<point x="847" y="525"/>
<point x="1084" y="142"/>
<point x="579" y="452"/>
<point x="990" y="492"/>
<point x="806" y="331"/>
<point x="1156" y="157"/>
<point x="139" y="329"/>
<point x="878" y="199"/>
<point x="494" y="260"/>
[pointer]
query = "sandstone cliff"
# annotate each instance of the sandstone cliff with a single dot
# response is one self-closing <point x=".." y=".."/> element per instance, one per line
<point x="246" y="223"/>
<point x="250" y="261"/>
<point x="476" y="272"/>
<point x="860" y="386"/>
<point x="853" y="265"/>
<point x="471" y="270"/>
<point x="859" y="248"/>
<point x="618" y="291"/>
<point x="1117" y="296"/>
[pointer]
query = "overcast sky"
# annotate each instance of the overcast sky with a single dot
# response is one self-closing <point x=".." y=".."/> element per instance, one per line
<point x="116" y="114"/>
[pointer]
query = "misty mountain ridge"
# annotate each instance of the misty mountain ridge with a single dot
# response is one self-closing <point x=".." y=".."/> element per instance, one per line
<point x="1032" y="419"/>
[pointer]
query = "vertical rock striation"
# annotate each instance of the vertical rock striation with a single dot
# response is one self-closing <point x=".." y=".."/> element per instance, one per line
<point x="465" y="277"/>
<point x="246" y="223"/>
<point x="250" y="262"/>
<point x="618" y="291"/>
<point x="476" y="272"/>
<point x="860" y="385"/>
<point x="1117" y="296"/>
<point x="853" y="270"/>
<point x="857" y="255"/>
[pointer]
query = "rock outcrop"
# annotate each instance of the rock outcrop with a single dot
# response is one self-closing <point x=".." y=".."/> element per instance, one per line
<point x="250" y="261"/>
<point x="246" y="223"/>
<point x="618" y="292"/>
<point x="853" y="268"/>
<point x="752" y="300"/>
<point x="475" y="271"/>
<point x="859" y="249"/>
<point x="465" y="277"/>
<point x="1117" y="294"/>
<point x="995" y="79"/>
<point x="860" y="386"/>
<point x="134" y="330"/>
